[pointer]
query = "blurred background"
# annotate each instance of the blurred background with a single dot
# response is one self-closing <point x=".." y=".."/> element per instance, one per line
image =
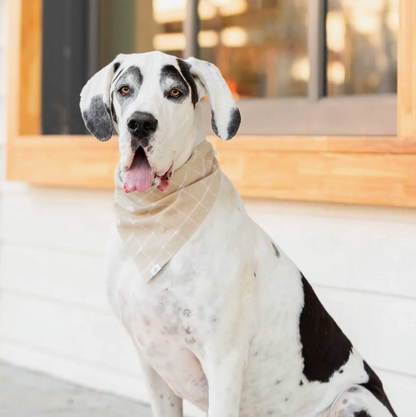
<point x="306" y="73"/>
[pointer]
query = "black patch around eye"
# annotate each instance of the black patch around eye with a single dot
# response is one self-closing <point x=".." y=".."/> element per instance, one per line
<point x="97" y="119"/>
<point x="170" y="72"/>
<point x="185" y="70"/>
<point x="131" y="72"/>
<point x="234" y="123"/>
<point x="325" y="348"/>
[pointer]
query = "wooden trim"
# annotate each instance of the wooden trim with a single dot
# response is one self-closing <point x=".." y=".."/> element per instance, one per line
<point x="31" y="73"/>
<point x="360" y="115"/>
<point x="317" y="10"/>
<point x="348" y="169"/>
<point x="406" y="88"/>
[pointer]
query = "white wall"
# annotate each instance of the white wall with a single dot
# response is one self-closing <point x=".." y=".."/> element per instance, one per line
<point x="54" y="315"/>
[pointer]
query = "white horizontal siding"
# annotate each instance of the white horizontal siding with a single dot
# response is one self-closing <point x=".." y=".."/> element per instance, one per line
<point x="370" y="321"/>
<point x="70" y="330"/>
<point x="365" y="248"/>
<point x="62" y="219"/>
<point x="61" y="275"/>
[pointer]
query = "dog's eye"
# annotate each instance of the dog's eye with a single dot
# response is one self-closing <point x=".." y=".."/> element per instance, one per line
<point x="124" y="90"/>
<point x="175" y="93"/>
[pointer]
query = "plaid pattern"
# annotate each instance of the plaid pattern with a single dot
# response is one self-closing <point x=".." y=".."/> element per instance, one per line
<point x="155" y="225"/>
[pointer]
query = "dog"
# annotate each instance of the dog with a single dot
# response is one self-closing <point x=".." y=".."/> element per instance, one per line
<point x="226" y="321"/>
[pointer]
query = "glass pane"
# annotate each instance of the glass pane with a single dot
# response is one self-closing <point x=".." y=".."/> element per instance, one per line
<point x="260" y="46"/>
<point x="362" y="46"/>
<point x="140" y="26"/>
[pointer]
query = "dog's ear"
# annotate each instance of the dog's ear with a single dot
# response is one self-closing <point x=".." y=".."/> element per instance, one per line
<point x="226" y="117"/>
<point x="95" y="101"/>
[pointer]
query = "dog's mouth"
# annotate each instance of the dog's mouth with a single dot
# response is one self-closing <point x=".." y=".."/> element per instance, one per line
<point x="140" y="176"/>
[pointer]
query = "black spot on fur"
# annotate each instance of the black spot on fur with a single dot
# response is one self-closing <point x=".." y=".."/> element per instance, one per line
<point x="116" y="66"/>
<point x="324" y="347"/>
<point x="301" y="383"/>
<point x="234" y="123"/>
<point x="185" y="67"/>
<point x="98" y="120"/>
<point x="113" y="110"/>
<point x="361" y="413"/>
<point x="341" y="371"/>
<point x="276" y="251"/>
<point x="116" y="76"/>
<point x="255" y="275"/>
<point x="213" y="124"/>
<point x="375" y="386"/>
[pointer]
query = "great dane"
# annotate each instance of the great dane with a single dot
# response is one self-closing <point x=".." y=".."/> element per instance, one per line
<point x="229" y="322"/>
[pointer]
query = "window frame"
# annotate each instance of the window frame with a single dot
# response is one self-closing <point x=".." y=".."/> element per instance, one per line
<point x="360" y="169"/>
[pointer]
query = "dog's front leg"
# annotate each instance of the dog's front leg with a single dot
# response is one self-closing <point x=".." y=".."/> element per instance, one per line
<point x="164" y="402"/>
<point x="224" y="372"/>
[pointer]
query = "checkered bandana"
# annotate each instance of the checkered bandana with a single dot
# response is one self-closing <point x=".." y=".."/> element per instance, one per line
<point x="154" y="225"/>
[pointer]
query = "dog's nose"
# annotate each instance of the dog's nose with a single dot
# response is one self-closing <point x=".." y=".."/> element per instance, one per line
<point x="141" y="124"/>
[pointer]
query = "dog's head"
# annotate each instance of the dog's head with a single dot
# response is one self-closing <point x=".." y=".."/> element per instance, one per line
<point x="152" y="100"/>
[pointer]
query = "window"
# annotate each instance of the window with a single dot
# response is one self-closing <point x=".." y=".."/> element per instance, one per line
<point x="315" y="80"/>
<point x="266" y="51"/>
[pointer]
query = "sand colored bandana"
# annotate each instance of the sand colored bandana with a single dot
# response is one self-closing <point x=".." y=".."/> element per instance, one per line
<point x="154" y="225"/>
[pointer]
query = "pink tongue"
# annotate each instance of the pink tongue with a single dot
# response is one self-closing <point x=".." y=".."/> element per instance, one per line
<point x="139" y="176"/>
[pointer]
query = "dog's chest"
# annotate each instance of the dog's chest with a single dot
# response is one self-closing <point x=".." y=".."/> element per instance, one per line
<point x="166" y="325"/>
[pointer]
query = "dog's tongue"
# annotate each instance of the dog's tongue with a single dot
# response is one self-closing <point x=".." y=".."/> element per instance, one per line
<point x="139" y="177"/>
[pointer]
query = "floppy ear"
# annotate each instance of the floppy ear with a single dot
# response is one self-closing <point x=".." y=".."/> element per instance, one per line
<point x="95" y="102"/>
<point x="226" y="117"/>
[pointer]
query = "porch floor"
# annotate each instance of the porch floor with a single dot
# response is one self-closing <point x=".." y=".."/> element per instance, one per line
<point x="30" y="394"/>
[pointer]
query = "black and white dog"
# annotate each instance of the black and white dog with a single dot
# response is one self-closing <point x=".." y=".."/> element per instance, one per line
<point x="229" y="323"/>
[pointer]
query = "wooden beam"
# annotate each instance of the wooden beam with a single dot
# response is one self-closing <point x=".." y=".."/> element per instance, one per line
<point x="378" y="179"/>
<point x="406" y="89"/>
<point x="377" y="171"/>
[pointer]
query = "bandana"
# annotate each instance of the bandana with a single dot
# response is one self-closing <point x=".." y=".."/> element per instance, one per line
<point x="154" y="225"/>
